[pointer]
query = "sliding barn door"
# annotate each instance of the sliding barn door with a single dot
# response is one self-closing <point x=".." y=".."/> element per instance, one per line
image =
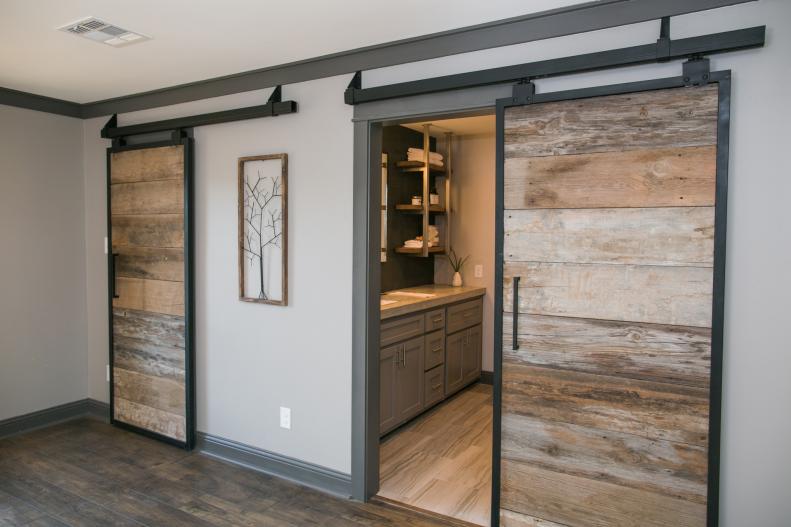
<point x="608" y="257"/>
<point x="151" y="363"/>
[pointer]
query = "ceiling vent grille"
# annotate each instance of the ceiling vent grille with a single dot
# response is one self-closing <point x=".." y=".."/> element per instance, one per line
<point x="100" y="31"/>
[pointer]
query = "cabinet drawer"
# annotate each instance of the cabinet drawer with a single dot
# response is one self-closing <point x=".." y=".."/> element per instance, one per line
<point x="400" y="329"/>
<point x="435" y="386"/>
<point x="464" y="315"/>
<point x="435" y="349"/>
<point x="435" y="319"/>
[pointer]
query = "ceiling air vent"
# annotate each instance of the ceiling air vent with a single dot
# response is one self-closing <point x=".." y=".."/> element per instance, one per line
<point x="100" y="31"/>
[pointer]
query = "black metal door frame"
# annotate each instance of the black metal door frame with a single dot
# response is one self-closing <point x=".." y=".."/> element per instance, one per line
<point x="695" y="73"/>
<point x="179" y="137"/>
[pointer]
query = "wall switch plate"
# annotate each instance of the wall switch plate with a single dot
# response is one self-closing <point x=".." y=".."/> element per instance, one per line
<point x="285" y="418"/>
<point x="108" y="372"/>
<point x="478" y="271"/>
<point x="105" y="245"/>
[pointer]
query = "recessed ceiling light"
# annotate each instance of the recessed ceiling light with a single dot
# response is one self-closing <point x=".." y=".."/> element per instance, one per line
<point x="99" y="31"/>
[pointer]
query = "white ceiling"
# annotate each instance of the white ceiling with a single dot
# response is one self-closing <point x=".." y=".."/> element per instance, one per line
<point x="194" y="40"/>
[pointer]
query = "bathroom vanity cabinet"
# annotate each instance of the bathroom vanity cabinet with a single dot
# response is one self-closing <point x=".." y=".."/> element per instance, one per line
<point x="428" y="355"/>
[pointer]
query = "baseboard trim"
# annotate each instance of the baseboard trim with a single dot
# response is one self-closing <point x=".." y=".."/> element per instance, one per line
<point x="54" y="415"/>
<point x="304" y="473"/>
<point x="98" y="410"/>
<point x="487" y="377"/>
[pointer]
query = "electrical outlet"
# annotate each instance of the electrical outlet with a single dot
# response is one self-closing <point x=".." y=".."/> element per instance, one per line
<point x="478" y="271"/>
<point x="285" y="418"/>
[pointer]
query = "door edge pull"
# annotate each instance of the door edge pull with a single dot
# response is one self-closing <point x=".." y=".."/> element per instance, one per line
<point x="113" y="288"/>
<point x="515" y="325"/>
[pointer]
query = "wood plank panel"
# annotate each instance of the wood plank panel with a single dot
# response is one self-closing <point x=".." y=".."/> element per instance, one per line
<point x="584" y="502"/>
<point x="157" y="296"/>
<point x="655" y="119"/>
<point x="157" y="392"/>
<point x="151" y="328"/>
<point x="652" y="352"/>
<point x="648" y="409"/>
<point x="149" y="418"/>
<point x="662" y="295"/>
<point x="682" y="236"/>
<point x="148" y="197"/>
<point x="672" y="469"/>
<point x="659" y="177"/>
<point x="147" y="164"/>
<point x="517" y="519"/>
<point x="150" y="262"/>
<point x="149" y="358"/>
<point x="148" y="230"/>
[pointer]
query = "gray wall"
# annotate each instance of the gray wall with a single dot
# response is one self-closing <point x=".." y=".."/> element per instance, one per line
<point x="43" y="358"/>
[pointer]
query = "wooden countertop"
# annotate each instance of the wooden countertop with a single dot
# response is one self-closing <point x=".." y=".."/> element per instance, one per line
<point x="405" y="304"/>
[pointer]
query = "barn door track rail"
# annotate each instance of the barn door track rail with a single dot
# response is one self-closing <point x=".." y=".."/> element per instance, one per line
<point x="665" y="49"/>
<point x="274" y="106"/>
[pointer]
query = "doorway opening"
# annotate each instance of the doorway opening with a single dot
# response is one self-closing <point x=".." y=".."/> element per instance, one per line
<point x="436" y="327"/>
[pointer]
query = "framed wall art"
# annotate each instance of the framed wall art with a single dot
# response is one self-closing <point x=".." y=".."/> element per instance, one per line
<point x="263" y="229"/>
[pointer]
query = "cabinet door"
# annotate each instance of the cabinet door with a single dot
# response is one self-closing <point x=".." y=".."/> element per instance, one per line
<point x="388" y="357"/>
<point x="409" y="380"/>
<point x="454" y="345"/>
<point x="471" y="355"/>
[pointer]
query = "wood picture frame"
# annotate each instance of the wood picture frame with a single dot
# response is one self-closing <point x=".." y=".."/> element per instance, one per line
<point x="263" y="229"/>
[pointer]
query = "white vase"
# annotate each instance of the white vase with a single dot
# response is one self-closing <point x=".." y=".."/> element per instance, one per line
<point x="456" y="279"/>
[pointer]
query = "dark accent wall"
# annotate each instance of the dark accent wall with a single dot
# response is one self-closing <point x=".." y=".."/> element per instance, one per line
<point x="400" y="270"/>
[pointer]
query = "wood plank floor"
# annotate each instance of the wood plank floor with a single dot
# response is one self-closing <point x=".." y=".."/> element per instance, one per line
<point x="442" y="461"/>
<point x="88" y="473"/>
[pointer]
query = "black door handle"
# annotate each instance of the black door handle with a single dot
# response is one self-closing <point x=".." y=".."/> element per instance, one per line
<point x="112" y="277"/>
<point x="516" y="313"/>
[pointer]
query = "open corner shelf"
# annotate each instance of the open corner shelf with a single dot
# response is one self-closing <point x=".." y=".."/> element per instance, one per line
<point x="419" y="250"/>
<point x="418" y="209"/>
<point x="417" y="166"/>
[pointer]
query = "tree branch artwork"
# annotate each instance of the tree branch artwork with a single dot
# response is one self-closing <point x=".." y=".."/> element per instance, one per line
<point x="261" y="229"/>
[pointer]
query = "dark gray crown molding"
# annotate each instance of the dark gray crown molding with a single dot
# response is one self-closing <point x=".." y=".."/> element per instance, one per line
<point x="30" y="101"/>
<point x="579" y="18"/>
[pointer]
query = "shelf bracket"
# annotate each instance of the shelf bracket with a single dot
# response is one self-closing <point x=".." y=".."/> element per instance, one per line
<point x="355" y="84"/>
<point x="277" y="95"/>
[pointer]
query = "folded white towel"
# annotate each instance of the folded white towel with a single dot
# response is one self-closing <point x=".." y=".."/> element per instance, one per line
<point x="416" y="154"/>
<point x="417" y="244"/>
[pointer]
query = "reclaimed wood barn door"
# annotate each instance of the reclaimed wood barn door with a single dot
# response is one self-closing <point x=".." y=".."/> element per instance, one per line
<point x="608" y="238"/>
<point x="151" y="363"/>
